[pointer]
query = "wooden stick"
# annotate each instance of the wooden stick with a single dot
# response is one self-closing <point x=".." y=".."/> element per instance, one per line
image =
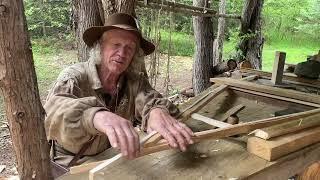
<point x="194" y="107"/>
<point x="286" y="128"/>
<point x="250" y="78"/>
<point x="233" y="111"/>
<point x="237" y="129"/>
<point x="105" y="163"/>
<point x="269" y="90"/>
<point x="277" y="97"/>
<point x="213" y="122"/>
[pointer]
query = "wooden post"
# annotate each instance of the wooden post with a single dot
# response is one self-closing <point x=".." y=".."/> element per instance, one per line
<point x="278" y="66"/>
<point x="18" y="83"/>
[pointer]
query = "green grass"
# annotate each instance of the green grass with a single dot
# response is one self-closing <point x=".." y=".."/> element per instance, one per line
<point x="296" y="48"/>
<point x="49" y="60"/>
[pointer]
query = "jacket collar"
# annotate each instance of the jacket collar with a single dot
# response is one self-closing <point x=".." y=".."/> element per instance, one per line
<point x="93" y="76"/>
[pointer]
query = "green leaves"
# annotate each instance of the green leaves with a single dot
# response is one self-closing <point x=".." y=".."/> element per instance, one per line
<point x="48" y="17"/>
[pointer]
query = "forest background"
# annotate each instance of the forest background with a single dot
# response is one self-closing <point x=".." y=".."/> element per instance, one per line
<point x="291" y="26"/>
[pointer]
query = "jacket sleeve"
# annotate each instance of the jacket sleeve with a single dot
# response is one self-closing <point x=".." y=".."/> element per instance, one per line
<point x="69" y="115"/>
<point x="147" y="99"/>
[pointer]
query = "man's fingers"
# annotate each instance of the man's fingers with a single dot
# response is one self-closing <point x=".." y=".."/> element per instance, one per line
<point x="136" y="141"/>
<point x="110" y="132"/>
<point x="123" y="141"/>
<point x="177" y="135"/>
<point x="131" y="142"/>
<point x="168" y="136"/>
<point x="184" y="132"/>
<point x="186" y="128"/>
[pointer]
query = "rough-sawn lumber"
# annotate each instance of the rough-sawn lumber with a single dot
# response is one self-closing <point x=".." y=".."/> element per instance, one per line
<point x="280" y="146"/>
<point x="268" y="90"/>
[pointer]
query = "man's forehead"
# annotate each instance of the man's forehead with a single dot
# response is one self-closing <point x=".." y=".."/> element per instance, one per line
<point x="120" y="34"/>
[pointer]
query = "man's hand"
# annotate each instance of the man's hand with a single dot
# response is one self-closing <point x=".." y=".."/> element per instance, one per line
<point x="120" y="132"/>
<point x="175" y="132"/>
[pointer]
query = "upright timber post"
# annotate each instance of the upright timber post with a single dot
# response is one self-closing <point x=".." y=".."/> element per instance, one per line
<point x="277" y="72"/>
<point x="18" y="84"/>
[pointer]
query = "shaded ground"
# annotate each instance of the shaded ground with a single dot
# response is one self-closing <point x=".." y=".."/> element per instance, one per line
<point x="48" y="67"/>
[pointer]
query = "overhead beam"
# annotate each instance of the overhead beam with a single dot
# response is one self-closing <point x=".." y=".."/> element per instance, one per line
<point x="184" y="9"/>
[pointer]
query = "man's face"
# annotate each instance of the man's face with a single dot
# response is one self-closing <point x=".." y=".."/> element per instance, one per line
<point x="117" y="50"/>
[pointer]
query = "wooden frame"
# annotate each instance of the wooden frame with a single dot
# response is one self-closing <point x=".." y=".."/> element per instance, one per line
<point x="290" y="79"/>
<point x="157" y="145"/>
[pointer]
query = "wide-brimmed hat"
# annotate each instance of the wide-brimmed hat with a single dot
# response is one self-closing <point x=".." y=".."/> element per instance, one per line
<point x="118" y="21"/>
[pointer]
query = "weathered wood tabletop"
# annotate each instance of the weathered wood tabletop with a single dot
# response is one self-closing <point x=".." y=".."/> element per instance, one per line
<point x="216" y="159"/>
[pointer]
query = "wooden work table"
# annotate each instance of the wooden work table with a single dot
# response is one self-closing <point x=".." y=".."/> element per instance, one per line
<point x="213" y="159"/>
<point x="225" y="158"/>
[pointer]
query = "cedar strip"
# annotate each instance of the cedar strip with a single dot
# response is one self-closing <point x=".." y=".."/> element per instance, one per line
<point x="213" y="122"/>
<point x="288" y="127"/>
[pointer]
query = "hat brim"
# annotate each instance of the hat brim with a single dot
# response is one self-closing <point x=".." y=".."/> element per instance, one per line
<point x="92" y="34"/>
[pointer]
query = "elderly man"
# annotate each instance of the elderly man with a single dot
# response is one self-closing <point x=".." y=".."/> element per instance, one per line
<point x="94" y="104"/>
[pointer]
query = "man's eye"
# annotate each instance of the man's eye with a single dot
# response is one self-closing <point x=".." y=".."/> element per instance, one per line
<point x="116" y="44"/>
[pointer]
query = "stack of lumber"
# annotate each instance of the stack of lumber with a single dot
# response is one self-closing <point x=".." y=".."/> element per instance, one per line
<point x="277" y="141"/>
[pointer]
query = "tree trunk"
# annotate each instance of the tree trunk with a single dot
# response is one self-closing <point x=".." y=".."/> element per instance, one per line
<point x="86" y="14"/>
<point x="218" y="42"/>
<point x="109" y="7"/>
<point x="251" y="43"/>
<point x="126" y="6"/>
<point x="18" y="84"/>
<point x="203" y="32"/>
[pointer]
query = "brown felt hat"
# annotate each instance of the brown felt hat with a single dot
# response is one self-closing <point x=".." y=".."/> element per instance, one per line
<point x="118" y="21"/>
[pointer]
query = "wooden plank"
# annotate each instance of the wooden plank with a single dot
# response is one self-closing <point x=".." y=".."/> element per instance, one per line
<point x="233" y="111"/>
<point x="213" y="122"/>
<point x="194" y="107"/>
<point x="268" y="90"/>
<point x="278" y="66"/>
<point x="289" y="79"/>
<point x="277" y="147"/>
<point x="116" y="158"/>
<point x="277" y="97"/>
<point x="286" y="128"/>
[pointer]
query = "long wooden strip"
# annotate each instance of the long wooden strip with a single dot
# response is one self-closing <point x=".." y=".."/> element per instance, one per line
<point x="243" y="128"/>
<point x="277" y="147"/>
<point x="276" y="97"/>
<point x="286" y="128"/>
<point x="104" y="164"/>
<point x="213" y="122"/>
<point x="233" y="111"/>
<point x="194" y="107"/>
<point x="269" y="90"/>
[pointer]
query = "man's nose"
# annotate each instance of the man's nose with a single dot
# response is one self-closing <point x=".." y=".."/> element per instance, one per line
<point x="122" y="51"/>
